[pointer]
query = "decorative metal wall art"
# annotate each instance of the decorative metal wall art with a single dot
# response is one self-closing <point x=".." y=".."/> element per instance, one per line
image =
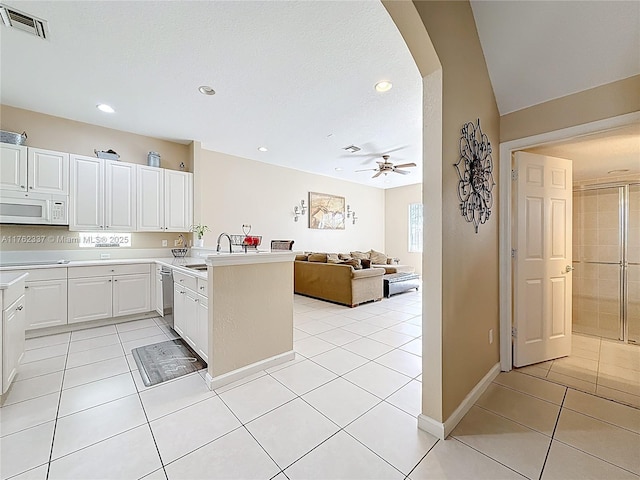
<point x="475" y="171"/>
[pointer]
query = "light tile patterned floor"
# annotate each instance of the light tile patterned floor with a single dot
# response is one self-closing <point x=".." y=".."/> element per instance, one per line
<point x="345" y="408"/>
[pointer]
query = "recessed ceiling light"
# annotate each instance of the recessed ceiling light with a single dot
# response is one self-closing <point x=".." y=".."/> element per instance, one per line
<point x="383" y="86"/>
<point x="338" y="169"/>
<point x="263" y="149"/>
<point x="206" y="90"/>
<point x="620" y="170"/>
<point x="103" y="107"/>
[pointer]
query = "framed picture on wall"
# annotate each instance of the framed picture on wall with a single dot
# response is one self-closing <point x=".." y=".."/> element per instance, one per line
<point x="326" y="212"/>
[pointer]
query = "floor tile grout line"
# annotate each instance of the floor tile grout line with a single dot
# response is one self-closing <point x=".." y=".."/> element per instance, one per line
<point x="596" y="457"/>
<point x="423" y="457"/>
<point x="515" y="421"/>
<point x="451" y="437"/>
<point x="553" y="434"/>
<point x="508" y="387"/>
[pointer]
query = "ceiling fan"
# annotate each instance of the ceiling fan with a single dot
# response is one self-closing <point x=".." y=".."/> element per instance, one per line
<point x="386" y="166"/>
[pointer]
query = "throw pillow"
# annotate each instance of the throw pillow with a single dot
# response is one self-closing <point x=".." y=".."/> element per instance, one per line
<point x="365" y="263"/>
<point x="377" y="258"/>
<point x="360" y="255"/>
<point x="318" y="257"/>
<point x="302" y="258"/>
<point x="354" y="262"/>
<point x="344" y="256"/>
<point x="332" y="258"/>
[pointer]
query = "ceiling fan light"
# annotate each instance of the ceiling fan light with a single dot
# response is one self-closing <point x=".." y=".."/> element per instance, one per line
<point x="103" y="107"/>
<point x="383" y="86"/>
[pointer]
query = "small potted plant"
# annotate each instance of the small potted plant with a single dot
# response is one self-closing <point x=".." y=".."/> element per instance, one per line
<point x="199" y="231"/>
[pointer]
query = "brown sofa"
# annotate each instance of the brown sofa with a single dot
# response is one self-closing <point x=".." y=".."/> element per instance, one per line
<point x="338" y="283"/>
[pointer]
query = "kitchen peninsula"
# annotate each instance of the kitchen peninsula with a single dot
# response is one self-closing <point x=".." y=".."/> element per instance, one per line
<point x="250" y="313"/>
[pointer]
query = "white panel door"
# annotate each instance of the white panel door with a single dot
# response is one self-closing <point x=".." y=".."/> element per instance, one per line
<point x="178" y="200"/>
<point x="13" y="319"/>
<point x="150" y="201"/>
<point x="542" y="286"/>
<point x="48" y="171"/>
<point x="120" y="196"/>
<point x="90" y="298"/>
<point x="86" y="201"/>
<point x="131" y="294"/>
<point x="47" y="303"/>
<point x="13" y="167"/>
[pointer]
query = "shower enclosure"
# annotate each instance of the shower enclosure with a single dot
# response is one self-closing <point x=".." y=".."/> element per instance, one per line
<point x="606" y="261"/>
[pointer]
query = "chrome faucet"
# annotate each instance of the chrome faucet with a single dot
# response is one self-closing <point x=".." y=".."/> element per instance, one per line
<point x="223" y="234"/>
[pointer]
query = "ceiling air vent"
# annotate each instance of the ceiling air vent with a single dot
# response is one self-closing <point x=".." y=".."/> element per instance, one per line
<point x="352" y="149"/>
<point x="22" y="21"/>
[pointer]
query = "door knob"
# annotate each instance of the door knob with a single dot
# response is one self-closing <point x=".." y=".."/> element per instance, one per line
<point x="568" y="269"/>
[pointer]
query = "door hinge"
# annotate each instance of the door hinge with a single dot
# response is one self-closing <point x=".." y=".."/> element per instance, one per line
<point x="514" y="332"/>
<point x="513" y="252"/>
<point x="514" y="175"/>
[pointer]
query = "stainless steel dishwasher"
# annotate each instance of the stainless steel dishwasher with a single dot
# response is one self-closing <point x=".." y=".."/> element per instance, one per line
<point x="166" y="276"/>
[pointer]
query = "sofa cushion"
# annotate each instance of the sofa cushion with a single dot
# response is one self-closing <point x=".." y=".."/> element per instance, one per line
<point x="360" y="255"/>
<point x="318" y="257"/>
<point x="377" y="258"/>
<point x="302" y="258"/>
<point x="333" y="258"/>
<point x="354" y="262"/>
<point x="344" y="256"/>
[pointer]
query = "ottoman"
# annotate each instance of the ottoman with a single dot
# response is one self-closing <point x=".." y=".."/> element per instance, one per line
<point x="400" y="282"/>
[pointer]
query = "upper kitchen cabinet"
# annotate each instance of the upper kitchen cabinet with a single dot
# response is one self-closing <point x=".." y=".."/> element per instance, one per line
<point x="165" y="200"/>
<point x="103" y="195"/>
<point x="34" y="170"/>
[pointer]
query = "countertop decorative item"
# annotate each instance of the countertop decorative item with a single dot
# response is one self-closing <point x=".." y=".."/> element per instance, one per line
<point x="199" y="230"/>
<point x="475" y="171"/>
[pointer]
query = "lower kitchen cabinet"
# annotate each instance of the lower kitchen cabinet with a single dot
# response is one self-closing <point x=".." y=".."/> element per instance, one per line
<point x="90" y="298"/>
<point x="201" y="335"/>
<point x="131" y="294"/>
<point x="190" y="317"/>
<point x="47" y="303"/>
<point x="13" y="320"/>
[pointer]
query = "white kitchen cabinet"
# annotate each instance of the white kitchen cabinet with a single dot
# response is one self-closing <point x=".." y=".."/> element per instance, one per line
<point x="86" y="202"/>
<point x="165" y="200"/>
<point x="13" y="167"/>
<point x="90" y="298"/>
<point x="201" y="335"/>
<point x="46" y="303"/>
<point x="158" y="303"/>
<point x="13" y="319"/>
<point x="179" y="309"/>
<point x="190" y="315"/>
<point x="103" y="195"/>
<point x="131" y="294"/>
<point x="47" y="171"/>
<point x="107" y="291"/>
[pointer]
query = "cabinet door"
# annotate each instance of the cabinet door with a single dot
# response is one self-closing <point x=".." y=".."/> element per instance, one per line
<point x="150" y="199"/>
<point x="13" y="319"/>
<point x="179" y="313"/>
<point x="13" y="167"/>
<point x="159" y="297"/>
<point x="120" y="196"/>
<point x="46" y="303"/>
<point x="48" y="171"/>
<point x="178" y="201"/>
<point x="86" y="202"/>
<point x="201" y="337"/>
<point x="190" y="317"/>
<point x="131" y="294"/>
<point x="90" y="299"/>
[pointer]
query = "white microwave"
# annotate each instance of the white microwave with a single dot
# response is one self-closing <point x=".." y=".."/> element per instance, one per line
<point x="33" y="208"/>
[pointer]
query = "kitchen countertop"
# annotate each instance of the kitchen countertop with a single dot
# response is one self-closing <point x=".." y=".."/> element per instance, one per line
<point x="9" y="278"/>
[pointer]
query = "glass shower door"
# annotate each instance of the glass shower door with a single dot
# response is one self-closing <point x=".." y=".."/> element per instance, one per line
<point x="633" y="265"/>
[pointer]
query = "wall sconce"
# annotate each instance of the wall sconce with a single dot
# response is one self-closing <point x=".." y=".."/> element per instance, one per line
<point x="349" y="211"/>
<point x="353" y="217"/>
<point x="299" y="210"/>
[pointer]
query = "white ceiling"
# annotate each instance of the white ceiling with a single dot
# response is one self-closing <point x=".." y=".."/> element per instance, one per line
<point x="595" y="155"/>
<point x="540" y="50"/>
<point x="294" y="76"/>
<point x="297" y="77"/>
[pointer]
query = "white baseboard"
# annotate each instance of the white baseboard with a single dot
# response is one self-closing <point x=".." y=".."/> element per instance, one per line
<point x="235" y="375"/>
<point x="442" y="430"/>
<point x="72" y="327"/>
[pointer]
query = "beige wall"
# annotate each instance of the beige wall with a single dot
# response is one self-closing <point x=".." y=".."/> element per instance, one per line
<point x="56" y="133"/>
<point x="606" y="101"/>
<point x="233" y="191"/>
<point x="396" y="242"/>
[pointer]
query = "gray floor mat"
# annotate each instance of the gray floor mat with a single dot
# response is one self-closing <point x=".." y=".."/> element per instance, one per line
<point x="164" y="361"/>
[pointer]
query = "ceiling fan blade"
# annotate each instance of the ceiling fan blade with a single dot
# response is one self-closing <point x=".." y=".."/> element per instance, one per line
<point x="406" y="165"/>
<point x="377" y="174"/>
<point x="367" y="170"/>
<point x="402" y="172"/>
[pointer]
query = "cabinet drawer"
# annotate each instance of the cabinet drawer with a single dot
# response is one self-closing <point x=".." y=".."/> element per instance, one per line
<point x="202" y="287"/>
<point x="185" y="280"/>
<point x="55" y="273"/>
<point x="102" y="270"/>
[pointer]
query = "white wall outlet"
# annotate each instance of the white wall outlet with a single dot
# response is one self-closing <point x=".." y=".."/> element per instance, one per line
<point x="490" y="336"/>
<point x="165" y="243"/>
<point x="105" y="256"/>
